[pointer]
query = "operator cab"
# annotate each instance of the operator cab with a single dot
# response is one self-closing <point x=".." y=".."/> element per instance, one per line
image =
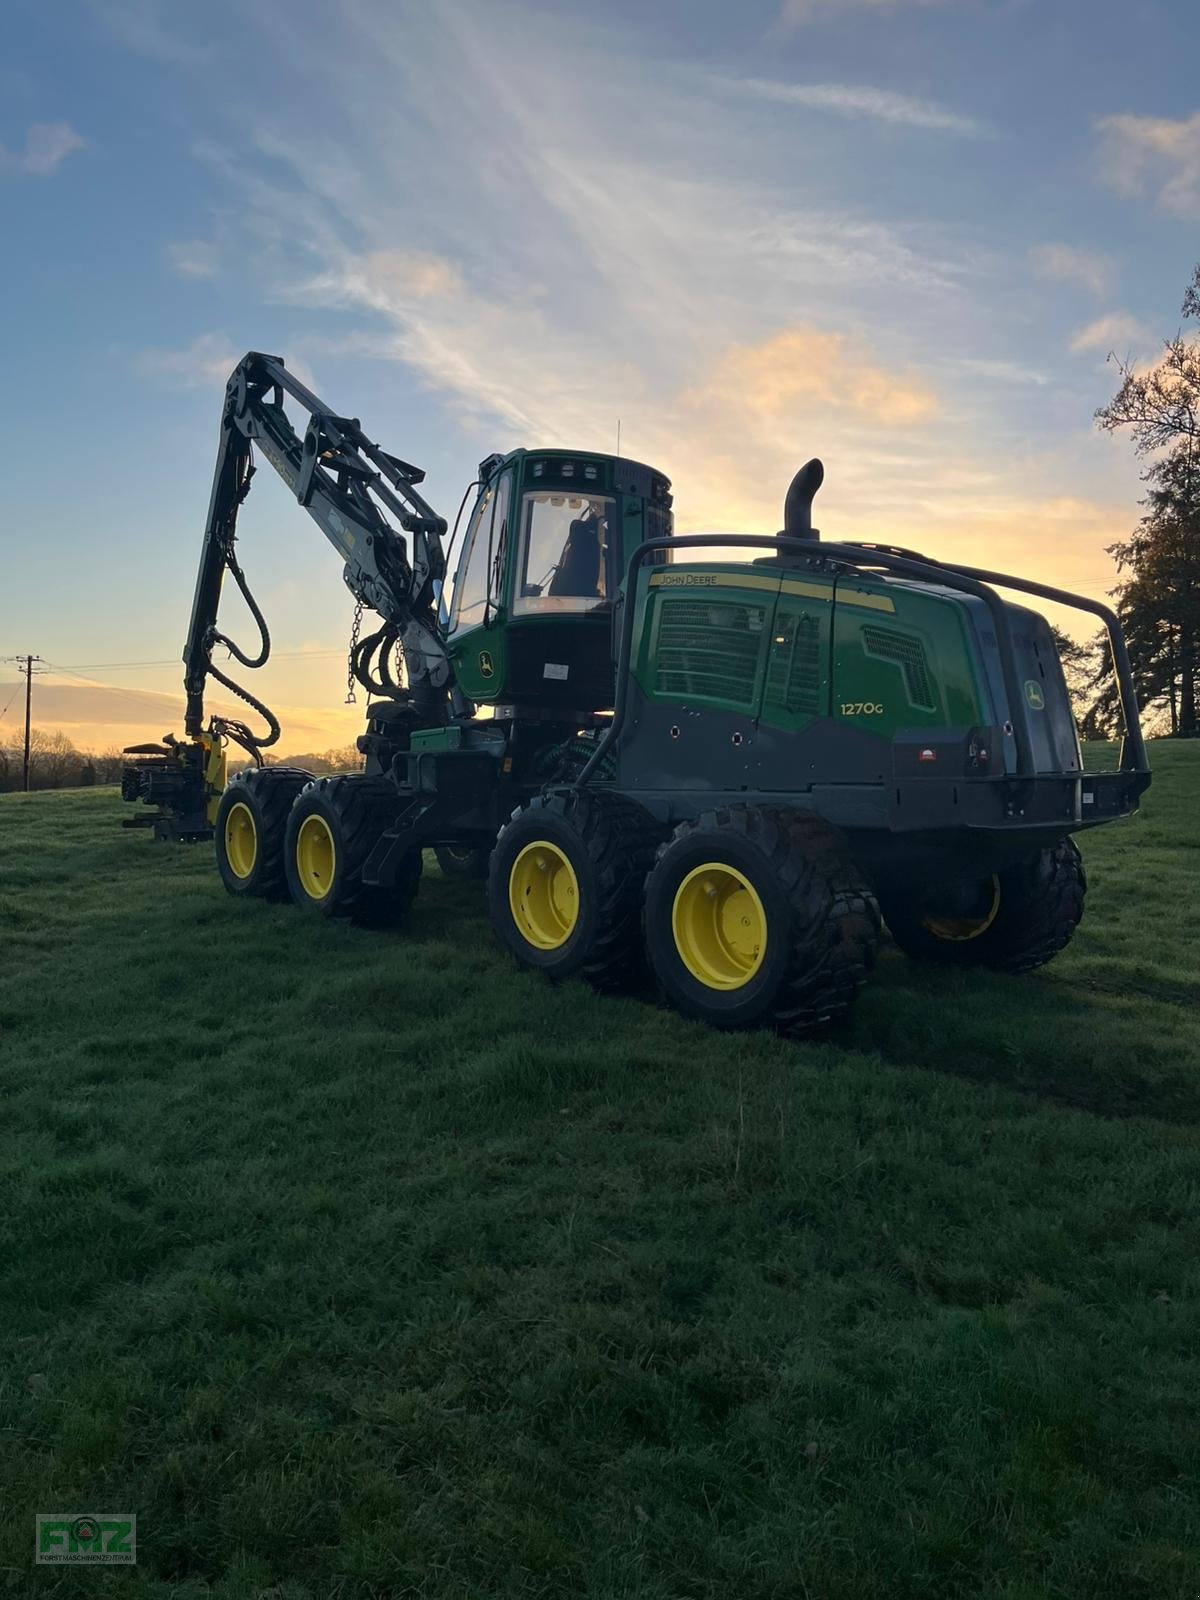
<point x="543" y="557"/>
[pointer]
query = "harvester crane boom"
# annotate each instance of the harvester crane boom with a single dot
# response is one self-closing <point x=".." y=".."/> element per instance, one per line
<point x="363" y="499"/>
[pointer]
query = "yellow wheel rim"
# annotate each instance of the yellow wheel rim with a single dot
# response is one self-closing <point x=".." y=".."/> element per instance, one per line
<point x="241" y="840"/>
<point x="315" y="856"/>
<point x="720" y="926"/>
<point x="958" y="930"/>
<point x="543" y="895"/>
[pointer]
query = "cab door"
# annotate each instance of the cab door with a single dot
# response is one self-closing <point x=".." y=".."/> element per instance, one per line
<point x="475" y="630"/>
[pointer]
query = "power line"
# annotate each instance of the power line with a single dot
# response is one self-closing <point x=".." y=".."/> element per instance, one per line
<point x="130" y="696"/>
<point x="122" y="666"/>
<point x="26" y="665"/>
<point x="114" y="666"/>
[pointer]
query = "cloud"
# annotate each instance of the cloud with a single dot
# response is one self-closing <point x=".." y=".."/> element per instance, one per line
<point x="1137" y="153"/>
<point x="209" y="359"/>
<point x="208" y="362"/>
<point x="1000" y="371"/>
<point x="390" y="280"/>
<point x="47" y="145"/>
<point x="1059" y="540"/>
<point x="802" y="368"/>
<point x="140" y="26"/>
<point x="733" y="438"/>
<point x="1108" y="332"/>
<point x="859" y="100"/>
<point x="677" y="271"/>
<point x="1064" y="262"/>
<point x="194" y="258"/>
<point x="794" y="12"/>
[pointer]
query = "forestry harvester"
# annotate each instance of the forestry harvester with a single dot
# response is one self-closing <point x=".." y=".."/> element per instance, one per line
<point x="725" y="768"/>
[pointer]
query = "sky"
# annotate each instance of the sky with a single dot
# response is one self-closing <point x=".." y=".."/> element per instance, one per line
<point x="903" y="235"/>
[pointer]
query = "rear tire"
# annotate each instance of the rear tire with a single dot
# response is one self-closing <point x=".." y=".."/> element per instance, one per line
<point x="757" y="916"/>
<point x="462" y="861"/>
<point x="250" y="827"/>
<point x="333" y="827"/>
<point x="565" y="886"/>
<point x="1025" y="915"/>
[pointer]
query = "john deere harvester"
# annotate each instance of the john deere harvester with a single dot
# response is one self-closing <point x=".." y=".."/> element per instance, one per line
<point x="725" y="769"/>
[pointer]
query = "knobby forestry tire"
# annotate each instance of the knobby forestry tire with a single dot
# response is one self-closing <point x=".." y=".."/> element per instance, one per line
<point x="821" y="917"/>
<point x="610" y="842"/>
<point x="358" y="810"/>
<point x="1041" y="904"/>
<point x="267" y="793"/>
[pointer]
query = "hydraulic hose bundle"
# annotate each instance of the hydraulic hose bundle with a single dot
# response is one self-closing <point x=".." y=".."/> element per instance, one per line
<point x="228" y="727"/>
<point x="365" y="502"/>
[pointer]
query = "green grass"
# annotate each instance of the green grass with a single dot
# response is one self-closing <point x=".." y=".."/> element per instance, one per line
<point x="365" y="1265"/>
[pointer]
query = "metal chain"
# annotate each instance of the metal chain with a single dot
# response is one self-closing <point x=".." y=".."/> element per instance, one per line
<point x="351" y="697"/>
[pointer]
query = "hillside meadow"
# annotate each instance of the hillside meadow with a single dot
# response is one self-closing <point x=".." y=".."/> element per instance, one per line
<point x="364" y="1265"/>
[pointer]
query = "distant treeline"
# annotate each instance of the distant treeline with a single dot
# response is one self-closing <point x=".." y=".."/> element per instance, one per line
<point x="55" y="762"/>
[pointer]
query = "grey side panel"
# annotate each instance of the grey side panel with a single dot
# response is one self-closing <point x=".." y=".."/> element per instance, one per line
<point x="674" y="746"/>
<point x="1052" y="723"/>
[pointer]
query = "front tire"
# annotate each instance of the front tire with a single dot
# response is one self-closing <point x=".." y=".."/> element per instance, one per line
<point x="757" y="916"/>
<point x="565" y="886"/>
<point x="332" y="829"/>
<point x="1015" y="921"/>
<point x="250" y="827"/>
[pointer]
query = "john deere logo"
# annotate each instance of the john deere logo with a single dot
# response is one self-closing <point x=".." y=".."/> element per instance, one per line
<point x="1033" y="693"/>
<point x="485" y="663"/>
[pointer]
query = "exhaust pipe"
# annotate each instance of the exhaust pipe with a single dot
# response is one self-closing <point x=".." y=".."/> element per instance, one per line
<point x="797" y="507"/>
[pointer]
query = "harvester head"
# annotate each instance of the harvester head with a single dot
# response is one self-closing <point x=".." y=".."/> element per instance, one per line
<point x="181" y="780"/>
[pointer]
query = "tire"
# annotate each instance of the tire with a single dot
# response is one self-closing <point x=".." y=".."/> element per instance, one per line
<point x="756" y="916"/>
<point x="250" y="827"/>
<point x="592" y="930"/>
<point x="461" y="861"/>
<point x="1013" y="922"/>
<point x="332" y="828"/>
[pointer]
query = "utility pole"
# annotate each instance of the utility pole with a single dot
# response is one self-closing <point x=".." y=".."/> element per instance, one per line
<point x="25" y="665"/>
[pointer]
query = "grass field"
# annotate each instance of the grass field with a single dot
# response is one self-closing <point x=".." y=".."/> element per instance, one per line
<point x="364" y="1265"/>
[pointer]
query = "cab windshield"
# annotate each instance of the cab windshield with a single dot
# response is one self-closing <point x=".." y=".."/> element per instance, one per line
<point x="563" y="562"/>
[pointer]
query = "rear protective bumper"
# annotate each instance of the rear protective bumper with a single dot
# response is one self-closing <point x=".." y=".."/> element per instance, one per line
<point x="1058" y="802"/>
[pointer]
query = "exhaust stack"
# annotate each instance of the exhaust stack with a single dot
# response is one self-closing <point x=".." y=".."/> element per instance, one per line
<point x="797" y="507"/>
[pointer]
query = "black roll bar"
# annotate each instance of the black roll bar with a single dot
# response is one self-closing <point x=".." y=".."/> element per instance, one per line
<point x="863" y="558"/>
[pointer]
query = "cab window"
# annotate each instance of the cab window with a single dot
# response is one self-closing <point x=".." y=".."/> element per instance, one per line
<point x="563" y="562"/>
<point x="481" y="568"/>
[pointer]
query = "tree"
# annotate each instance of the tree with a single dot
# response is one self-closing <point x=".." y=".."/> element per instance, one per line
<point x="345" y="758"/>
<point x="1159" y="600"/>
<point x="54" y="762"/>
<point x="108" y="764"/>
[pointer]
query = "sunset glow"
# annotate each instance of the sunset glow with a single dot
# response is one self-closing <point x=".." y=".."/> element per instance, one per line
<point x="885" y="233"/>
